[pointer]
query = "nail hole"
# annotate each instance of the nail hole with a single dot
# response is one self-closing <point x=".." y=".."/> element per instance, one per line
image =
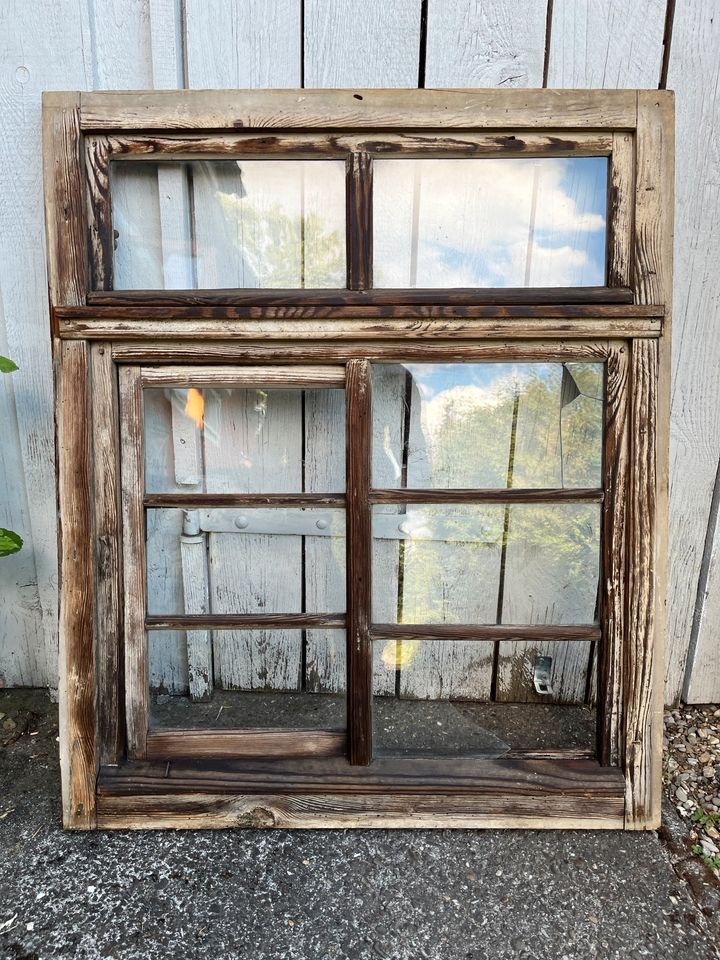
<point x="22" y="74"/>
<point x="357" y="96"/>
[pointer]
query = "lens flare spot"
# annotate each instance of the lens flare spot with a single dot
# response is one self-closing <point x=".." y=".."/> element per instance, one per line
<point x="195" y="407"/>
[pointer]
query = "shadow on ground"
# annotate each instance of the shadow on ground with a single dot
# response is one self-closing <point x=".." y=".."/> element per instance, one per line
<point x="398" y="895"/>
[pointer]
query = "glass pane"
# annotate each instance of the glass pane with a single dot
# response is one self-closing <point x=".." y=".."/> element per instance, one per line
<point x="228" y="223"/>
<point x="483" y="564"/>
<point x="487" y="425"/>
<point x="244" y="440"/>
<point x="435" y="701"/>
<point x="255" y="680"/>
<point x="510" y="222"/>
<point x="236" y="561"/>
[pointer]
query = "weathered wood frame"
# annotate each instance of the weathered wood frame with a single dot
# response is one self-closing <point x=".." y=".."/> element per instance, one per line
<point x="95" y="334"/>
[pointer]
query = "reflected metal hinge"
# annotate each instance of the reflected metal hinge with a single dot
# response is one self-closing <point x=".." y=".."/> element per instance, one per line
<point x="542" y="675"/>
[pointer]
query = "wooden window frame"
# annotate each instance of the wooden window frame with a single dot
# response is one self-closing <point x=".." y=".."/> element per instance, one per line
<point x="99" y="334"/>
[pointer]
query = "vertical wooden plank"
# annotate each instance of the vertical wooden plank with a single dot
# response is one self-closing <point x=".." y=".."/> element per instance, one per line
<point x="621" y="206"/>
<point x="606" y="44"/>
<point x="359" y="562"/>
<point x="367" y="45"/>
<point x="359" y="221"/>
<point x="694" y="75"/>
<point x="613" y="592"/>
<point x="498" y="44"/>
<point x="106" y="551"/>
<point x="325" y="660"/>
<point x="641" y="676"/>
<point x="134" y="562"/>
<point x="196" y="597"/>
<point x="78" y="750"/>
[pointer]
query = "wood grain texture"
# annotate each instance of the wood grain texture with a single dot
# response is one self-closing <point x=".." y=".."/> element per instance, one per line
<point x="359" y="213"/>
<point x="132" y="454"/>
<point x="497" y="44"/>
<point x="106" y="554"/>
<point x="606" y="44"/>
<point x="488" y="495"/>
<point x="245" y="377"/>
<point x="372" y="109"/>
<point x="613" y="592"/>
<point x="642" y="664"/>
<point x="78" y="716"/>
<point x="196" y="596"/>
<point x="359" y="561"/>
<point x="376" y="45"/>
<point x="694" y="74"/>
<point x="198" y="744"/>
<point x="475" y="631"/>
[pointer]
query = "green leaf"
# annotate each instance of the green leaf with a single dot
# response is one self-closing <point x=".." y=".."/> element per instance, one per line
<point x="10" y="542"/>
<point x="7" y="365"/>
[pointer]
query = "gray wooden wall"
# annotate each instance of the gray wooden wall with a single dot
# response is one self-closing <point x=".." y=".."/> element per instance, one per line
<point x="104" y="44"/>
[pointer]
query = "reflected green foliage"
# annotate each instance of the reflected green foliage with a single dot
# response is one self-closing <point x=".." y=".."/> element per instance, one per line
<point x="280" y="249"/>
<point x="10" y="542"/>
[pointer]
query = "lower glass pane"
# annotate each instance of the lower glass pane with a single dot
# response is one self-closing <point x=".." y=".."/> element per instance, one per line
<point x="239" y="679"/>
<point x="521" y="563"/>
<point x="432" y="698"/>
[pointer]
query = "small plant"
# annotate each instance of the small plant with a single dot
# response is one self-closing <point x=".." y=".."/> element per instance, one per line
<point x="710" y="860"/>
<point x="705" y="819"/>
<point x="10" y="542"/>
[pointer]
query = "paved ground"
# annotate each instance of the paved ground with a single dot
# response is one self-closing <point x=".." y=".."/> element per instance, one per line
<point x="398" y="895"/>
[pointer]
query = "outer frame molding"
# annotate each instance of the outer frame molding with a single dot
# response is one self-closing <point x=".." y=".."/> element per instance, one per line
<point x="634" y="338"/>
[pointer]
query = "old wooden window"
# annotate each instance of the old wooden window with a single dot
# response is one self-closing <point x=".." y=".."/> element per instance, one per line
<point x="362" y="472"/>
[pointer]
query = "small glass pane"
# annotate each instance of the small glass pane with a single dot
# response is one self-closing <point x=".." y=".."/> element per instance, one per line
<point x="510" y="222"/>
<point x="239" y="440"/>
<point x="480" y="425"/>
<point x="432" y="698"/>
<point x="485" y="564"/>
<point x="212" y="224"/>
<point x="241" y="561"/>
<point x="248" y="679"/>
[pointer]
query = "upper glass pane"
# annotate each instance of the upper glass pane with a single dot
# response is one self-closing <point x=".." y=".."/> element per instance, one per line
<point x="244" y="440"/>
<point x="487" y="425"/>
<point x="213" y="224"/>
<point x="509" y="222"/>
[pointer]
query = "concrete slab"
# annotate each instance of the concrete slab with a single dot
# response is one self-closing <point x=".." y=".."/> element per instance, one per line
<point x="404" y="895"/>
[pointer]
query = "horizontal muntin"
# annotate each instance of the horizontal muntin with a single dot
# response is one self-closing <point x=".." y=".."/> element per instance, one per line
<point x="495" y="633"/>
<point x="500" y="495"/>
<point x="197" y="501"/>
<point x="247" y="621"/>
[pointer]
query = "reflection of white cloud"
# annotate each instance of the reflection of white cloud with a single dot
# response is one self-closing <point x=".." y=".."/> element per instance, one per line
<point x="460" y="402"/>
<point x="476" y="224"/>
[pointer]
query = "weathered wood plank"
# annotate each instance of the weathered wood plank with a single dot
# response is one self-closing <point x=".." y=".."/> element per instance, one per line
<point x="135" y="584"/>
<point x="265" y="743"/>
<point x="78" y="746"/>
<point x="694" y="74"/>
<point x="196" y="597"/>
<point x="244" y="377"/>
<point x="642" y="660"/>
<point x="372" y="109"/>
<point x="106" y="554"/>
<point x="485" y="45"/>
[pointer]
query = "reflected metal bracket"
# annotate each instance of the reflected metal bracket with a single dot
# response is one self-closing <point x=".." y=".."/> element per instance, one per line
<point x="542" y="676"/>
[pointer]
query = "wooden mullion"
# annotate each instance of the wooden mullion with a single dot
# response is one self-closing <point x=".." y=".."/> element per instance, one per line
<point x="134" y="560"/>
<point x="358" y="195"/>
<point x="486" y="495"/>
<point x="495" y="633"/>
<point x="247" y="621"/>
<point x="359" y="561"/>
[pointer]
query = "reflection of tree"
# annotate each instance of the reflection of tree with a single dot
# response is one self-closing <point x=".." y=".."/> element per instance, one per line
<point x="283" y="250"/>
<point x="551" y="551"/>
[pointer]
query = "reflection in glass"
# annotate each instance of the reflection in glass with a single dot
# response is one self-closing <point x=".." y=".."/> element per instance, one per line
<point x="243" y="561"/>
<point x="459" y="565"/>
<point x="228" y="223"/>
<point x="436" y="705"/>
<point x="487" y="425"/>
<point x="228" y="440"/>
<point x="491" y="222"/>
<point x="255" y="682"/>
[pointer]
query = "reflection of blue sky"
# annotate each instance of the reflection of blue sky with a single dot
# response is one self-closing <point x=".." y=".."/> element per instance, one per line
<point x="493" y="379"/>
<point x="490" y="222"/>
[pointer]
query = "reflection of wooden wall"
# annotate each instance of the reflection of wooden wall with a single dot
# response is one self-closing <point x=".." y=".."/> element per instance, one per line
<point x="223" y="43"/>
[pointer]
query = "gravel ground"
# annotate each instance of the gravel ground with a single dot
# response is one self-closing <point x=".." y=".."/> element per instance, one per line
<point x="692" y="776"/>
<point x="329" y="895"/>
